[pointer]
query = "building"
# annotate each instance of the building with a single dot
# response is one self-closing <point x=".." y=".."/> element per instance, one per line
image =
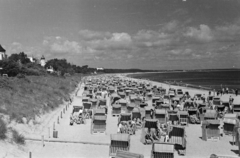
<point x="42" y="61"/>
<point x="99" y="68"/>
<point x="2" y="53"/>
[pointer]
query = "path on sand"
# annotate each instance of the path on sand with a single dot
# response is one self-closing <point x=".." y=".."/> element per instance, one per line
<point x="85" y="147"/>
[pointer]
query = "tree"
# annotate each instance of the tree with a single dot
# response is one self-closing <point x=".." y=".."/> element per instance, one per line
<point x="21" y="57"/>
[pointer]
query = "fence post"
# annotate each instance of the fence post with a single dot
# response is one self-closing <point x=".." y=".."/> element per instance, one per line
<point x="58" y="120"/>
<point x="54" y="126"/>
<point x="61" y="114"/>
<point x="30" y="154"/>
<point x="48" y="132"/>
<point x="43" y="140"/>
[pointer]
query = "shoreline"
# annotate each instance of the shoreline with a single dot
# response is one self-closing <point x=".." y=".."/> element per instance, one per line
<point x="211" y="88"/>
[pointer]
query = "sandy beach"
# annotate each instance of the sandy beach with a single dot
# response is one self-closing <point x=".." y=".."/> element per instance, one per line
<point x="77" y="140"/>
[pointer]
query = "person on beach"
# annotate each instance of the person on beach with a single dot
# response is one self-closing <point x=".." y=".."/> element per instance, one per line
<point x="227" y="90"/>
<point x="236" y="92"/>
<point x="148" y="137"/>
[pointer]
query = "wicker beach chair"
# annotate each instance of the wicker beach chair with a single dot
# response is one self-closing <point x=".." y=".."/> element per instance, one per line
<point x="125" y="117"/>
<point x="116" y="109"/>
<point x="236" y="105"/>
<point x="122" y="94"/>
<point x="172" y="116"/>
<point x="210" y="130"/>
<point x="183" y="117"/>
<point x="154" y="99"/>
<point x="229" y="123"/>
<point x="150" y="123"/>
<point x="99" y="112"/>
<point x="123" y="104"/>
<point x="114" y="98"/>
<point x="99" y="124"/>
<point x="162" y="150"/>
<point x="165" y="106"/>
<point x="161" y="115"/>
<point x="94" y="103"/>
<point x="143" y="105"/>
<point x="138" y="101"/>
<point x="127" y="154"/>
<point x="136" y="113"/>
<point x="148" y="112"/>
<point x="85" y="99"/>
<point x="210" y="115"/>
<point x="119" y="142"/>
<point x="130" y="107"/>
<point x="87" y="108"/>
<point x="177" y="136"/>
<point x="102" y="102"/>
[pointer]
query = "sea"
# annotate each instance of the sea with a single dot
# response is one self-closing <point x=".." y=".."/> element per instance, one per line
<point x="208" y="80"/>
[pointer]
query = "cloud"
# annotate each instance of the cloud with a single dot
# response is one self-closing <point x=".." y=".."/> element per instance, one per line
<point x="93" y="35"/>
<point x="61" y="45"/>
<point x="204" y="33"/>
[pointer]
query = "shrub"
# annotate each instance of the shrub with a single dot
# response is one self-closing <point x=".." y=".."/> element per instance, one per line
<point x="3" y="129"/>
<point x="18" y="138"/>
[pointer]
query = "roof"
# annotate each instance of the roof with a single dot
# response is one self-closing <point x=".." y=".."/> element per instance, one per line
<point x="2" y="49"/>
<point x="120" y="137"/>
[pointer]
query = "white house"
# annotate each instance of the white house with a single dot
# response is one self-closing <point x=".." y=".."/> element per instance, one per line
<point x="99" y="68"/>
<point x="2" y="53"/>
<point x="42" y="61"/>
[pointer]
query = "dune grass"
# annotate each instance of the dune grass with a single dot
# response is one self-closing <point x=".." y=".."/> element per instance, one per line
<point x="34" y="95"/>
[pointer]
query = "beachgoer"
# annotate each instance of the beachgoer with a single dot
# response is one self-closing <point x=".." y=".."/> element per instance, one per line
<point x="209" y="93"/>
<point x="151" y="114"/>
<point x="227" y="90"/>
<point x="119" y="127"/>
<point x="236" y="92"/>
<point x="148" y="137"/>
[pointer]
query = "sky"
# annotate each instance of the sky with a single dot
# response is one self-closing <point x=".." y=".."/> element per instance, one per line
<point x="144" y="34"/>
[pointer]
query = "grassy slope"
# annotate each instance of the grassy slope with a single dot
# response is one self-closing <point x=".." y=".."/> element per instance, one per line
<point x="34" y="95"/>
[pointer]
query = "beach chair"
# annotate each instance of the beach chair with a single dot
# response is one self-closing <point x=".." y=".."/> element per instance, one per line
<point x="210" y="115"/>
<point x="159" y="103"/>
<point x="114" y="98"/>
<point x="99" y="124"/>
<point x="136" y="113"/>
<point x="99" y="112"/>
<point x="177" y="137"/>
<point x="122" y="94"/>
<point x="201" y="108"/>
<point x="132" y="98"/>
<point x="151" y="123"/>
<point x="210" y="130"/>
<point x="85" y="99"/>
<point x="172" y="116"/>
<point x="116" y="109"/>
<point x="236" y="105"/>
<point x="130" y="107"/>
<point x="123" y="104"/>
<point x="94" y="103"/>
<point x="165" y="106"/>
<point x="102" y="102"/>
<point x="148" y="112"/>
<point x="119" y="142"/>
<point x="193" y="115"/>
<point x="154" y="99"/>
<point x="183" y="117"/>
<point x="229" y="123"/>
<point x="143" y="105"/>
<point x="161" y="115"/>
<point x="138" y="101"/>
<point x="127" y="154"/>
<point x="162" y="150"/>
<point x="87" y="108"/>
<point x="125" y="117"/>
